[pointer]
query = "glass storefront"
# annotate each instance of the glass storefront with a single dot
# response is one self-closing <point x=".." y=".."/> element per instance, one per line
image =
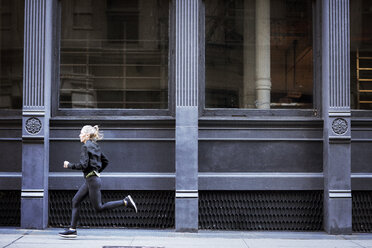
<point x="258" y="54"/>
<point x="11" y="53"/>
<point x="114" y="54"/>
<point x="361" y="54"/>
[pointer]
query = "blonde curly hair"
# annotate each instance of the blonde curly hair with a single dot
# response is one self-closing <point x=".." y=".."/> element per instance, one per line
<point x="93" y="131"/>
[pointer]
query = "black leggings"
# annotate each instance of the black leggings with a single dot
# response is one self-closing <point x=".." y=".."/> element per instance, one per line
<point x="92" y="186"/>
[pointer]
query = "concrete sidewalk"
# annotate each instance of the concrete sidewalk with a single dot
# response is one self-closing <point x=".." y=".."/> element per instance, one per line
<point x="98" y="238"/>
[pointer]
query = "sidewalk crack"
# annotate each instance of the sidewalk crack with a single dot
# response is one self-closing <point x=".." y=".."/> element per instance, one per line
<point x="357" y="244"/>
<point x="132" y="241"/>
<point x="352" y="241"/>
<point x="245" y="243"/>
<point x="13" y="241"/>
<point x="26" y="233"/>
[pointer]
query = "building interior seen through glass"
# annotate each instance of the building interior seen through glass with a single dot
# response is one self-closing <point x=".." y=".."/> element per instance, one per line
<point x="361" y="54"/>
<point x="259" y="54"/>
<point x="114" y="54"/>
<point x="11" y="53"/>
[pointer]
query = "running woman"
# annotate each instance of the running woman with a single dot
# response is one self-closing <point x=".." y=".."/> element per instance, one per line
<point x="92" y="162"/>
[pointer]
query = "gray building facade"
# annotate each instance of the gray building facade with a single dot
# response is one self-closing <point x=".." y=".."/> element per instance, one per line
<point x="222" y="115"/>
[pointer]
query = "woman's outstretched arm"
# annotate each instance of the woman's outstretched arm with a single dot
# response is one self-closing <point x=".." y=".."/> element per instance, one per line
<point x="84" y="160"/>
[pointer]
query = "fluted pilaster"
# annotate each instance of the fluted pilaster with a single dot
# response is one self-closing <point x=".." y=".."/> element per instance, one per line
<point x="187" y="77"/>
<point x="37" y="79"/>
<point x="336" y="114"/>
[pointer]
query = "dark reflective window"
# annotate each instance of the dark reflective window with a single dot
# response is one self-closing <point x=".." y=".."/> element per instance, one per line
<point x="259" y="54"/>
<point x="361" y="54"/>
<point x="114" y="54"/>
<point x="11" y="53"/>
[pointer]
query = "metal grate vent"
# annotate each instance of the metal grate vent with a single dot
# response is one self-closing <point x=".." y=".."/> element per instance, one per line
<point x="155" y="210"/>
<point x="362" y="211"/>
<point x="261" y="210"/>
<point x="10" y="208"/>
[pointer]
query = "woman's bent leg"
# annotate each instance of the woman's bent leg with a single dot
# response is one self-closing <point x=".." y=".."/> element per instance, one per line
<point x="95" y="196"/>
<point x="78" y="198"/>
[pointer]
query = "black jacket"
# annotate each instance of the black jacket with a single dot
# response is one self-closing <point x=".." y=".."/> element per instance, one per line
<point x="91" y="158"/>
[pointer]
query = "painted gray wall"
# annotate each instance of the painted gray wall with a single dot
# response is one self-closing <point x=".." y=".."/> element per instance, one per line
<point x="255" y="150"/>
<point x="11" y="145"/>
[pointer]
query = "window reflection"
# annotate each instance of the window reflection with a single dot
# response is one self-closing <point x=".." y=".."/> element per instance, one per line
<point x="258" y="54"/>
<point x="11" y="53"/>
<point x="114" y="54"/>
<point x="361" y="54"/>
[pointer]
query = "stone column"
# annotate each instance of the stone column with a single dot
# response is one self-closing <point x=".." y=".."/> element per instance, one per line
<point x="336" y="114"/>
<point x="37" y="79"/>
<point x="263" y="78"/>
<point x="249" y="84"/>
<point x="187" y="77"/>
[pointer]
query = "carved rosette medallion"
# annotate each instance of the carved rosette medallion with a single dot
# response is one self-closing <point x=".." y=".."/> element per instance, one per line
<point x="33" y="125"/>
<point x="339" y="126"/>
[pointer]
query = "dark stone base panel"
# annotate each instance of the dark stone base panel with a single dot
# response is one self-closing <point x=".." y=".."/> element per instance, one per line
<point x="10" y="208"/>
<point x="155" y="210"/>
<point x="362" y="211"/>
<point x="261" y="210"/>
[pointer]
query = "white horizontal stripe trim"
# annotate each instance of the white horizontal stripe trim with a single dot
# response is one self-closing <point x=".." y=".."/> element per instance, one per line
<point x="339" y="195"/>
<point x="261" y="175"/>
<point x="10" y="174"/>
<point x="343" y="114"/>
<point x="361" y="175"/>
<point x="200" y="175"/>
<point x="113" y="174"/>
<point x="32" y="194"/>
<point x="35" y="113"/>
<point x="186" y="195"/>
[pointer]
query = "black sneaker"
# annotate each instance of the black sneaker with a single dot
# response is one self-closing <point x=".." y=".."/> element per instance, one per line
<point x="130" y="203"/>
<point x="68" y="233"/>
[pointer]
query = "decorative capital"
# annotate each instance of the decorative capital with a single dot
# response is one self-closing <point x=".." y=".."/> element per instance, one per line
<point x="339" y="126"/>
<point x="33" y="125"/>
